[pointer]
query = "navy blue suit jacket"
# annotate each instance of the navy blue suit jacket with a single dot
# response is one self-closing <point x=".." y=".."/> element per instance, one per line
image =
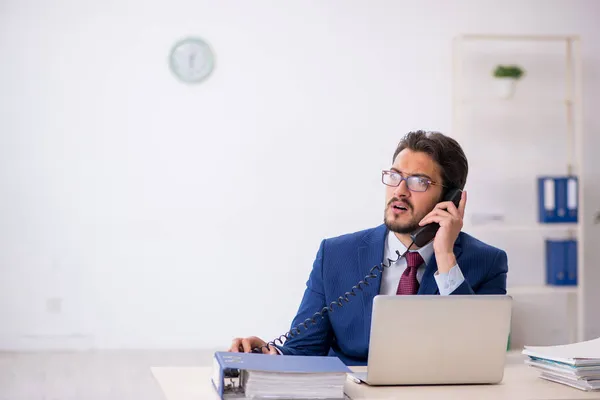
<point x="343" y="261"/>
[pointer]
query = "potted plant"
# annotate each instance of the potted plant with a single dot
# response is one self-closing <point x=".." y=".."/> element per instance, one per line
<point x="506" y="78"/>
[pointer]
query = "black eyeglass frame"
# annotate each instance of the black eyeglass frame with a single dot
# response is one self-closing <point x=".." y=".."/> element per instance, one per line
<point x="409" y="179"/>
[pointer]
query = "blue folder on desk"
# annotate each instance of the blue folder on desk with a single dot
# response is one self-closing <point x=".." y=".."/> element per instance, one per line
<point x="229" y="369"/>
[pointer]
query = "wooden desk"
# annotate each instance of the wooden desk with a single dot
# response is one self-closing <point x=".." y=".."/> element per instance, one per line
<point x="520" y="382"/>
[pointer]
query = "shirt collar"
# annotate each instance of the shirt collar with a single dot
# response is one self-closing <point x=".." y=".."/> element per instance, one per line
<point x="393" y="244"/>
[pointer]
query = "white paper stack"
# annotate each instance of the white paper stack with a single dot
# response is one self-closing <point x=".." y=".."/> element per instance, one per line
<point x="576" y="365"/>
<point x="274" y="385"/>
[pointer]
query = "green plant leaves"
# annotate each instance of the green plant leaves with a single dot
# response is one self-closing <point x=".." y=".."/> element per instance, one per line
<point x="508" y="71"/>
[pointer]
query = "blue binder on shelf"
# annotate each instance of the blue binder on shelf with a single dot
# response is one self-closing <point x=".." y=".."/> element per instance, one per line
<point x="558" y="199"/>
<point x="561" y="262"/>
<point x="232" y="371"/>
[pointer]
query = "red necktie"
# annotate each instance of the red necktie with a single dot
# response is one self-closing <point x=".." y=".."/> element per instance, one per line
<point x="408" y="281"/>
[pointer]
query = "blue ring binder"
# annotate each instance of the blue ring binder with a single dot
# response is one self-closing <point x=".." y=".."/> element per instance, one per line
<point x="558" y="199"/>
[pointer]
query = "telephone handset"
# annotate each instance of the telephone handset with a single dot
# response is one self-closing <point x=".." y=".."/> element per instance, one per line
<point x="420" y="237"/>
<point x="426" y="233"/>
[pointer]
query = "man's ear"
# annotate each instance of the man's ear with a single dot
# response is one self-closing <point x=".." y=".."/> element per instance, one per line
<point x="443" y="195"/>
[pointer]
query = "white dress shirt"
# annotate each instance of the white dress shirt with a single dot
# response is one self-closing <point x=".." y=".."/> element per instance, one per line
<point x="446" y="282"/>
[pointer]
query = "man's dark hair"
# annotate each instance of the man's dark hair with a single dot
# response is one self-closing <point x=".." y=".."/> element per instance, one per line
<point x="442" y="149"/>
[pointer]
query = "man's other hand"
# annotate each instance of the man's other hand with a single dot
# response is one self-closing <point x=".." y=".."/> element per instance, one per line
<point x="245" y="345"/>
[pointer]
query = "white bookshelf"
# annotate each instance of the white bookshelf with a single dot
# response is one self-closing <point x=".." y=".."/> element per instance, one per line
<point x="536" y="132"/>
<point x="496" y="227"/>
<point x="542" y="289"/>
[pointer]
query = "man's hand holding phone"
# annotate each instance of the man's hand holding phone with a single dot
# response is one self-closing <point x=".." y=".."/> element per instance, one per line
<point x="450" y="219"/>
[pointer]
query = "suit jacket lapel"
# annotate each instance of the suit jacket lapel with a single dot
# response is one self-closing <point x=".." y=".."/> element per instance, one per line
<point x="369" y="255"/>
<point x="428" y="283"/>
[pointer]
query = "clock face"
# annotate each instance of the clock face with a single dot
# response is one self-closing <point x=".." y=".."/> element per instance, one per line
<point x="191" y="60"/>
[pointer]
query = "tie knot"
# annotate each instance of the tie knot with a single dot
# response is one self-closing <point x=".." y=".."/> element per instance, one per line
<point x="414" y="259"/>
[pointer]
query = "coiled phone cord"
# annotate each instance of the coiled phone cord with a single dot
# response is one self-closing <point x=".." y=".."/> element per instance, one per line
<point x="330" y="308"/>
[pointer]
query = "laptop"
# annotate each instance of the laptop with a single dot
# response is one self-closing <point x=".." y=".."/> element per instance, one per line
<point x="434" y="340"/>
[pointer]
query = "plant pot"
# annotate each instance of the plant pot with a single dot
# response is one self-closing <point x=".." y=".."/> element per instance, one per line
<point x="505" y="87"/>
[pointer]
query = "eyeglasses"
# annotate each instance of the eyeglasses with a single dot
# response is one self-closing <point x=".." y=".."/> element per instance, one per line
<point x="414" y="183"/>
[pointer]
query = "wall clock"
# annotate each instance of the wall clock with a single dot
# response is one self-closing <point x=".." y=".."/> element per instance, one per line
<point x="191" y="60"/>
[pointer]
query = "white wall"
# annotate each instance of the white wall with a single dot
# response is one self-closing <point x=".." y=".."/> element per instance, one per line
<point x="140" y="212"/>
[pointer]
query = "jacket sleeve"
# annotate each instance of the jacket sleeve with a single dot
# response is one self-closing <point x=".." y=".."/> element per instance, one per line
<point x="495" y="280"/>
<point x="314" y="339"/>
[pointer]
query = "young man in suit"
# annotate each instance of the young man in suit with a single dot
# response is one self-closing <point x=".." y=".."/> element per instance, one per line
<point x="425" y="166"/>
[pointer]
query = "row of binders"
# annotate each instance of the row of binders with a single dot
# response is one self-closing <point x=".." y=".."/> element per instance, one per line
<point x="561" y="262"/>
<point x="558" y="199"/>
<point x="558" y="202"/>
<point x="576" y="365"/>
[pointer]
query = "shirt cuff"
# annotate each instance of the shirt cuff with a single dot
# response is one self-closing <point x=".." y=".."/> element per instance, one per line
<point x="450" y="281"/>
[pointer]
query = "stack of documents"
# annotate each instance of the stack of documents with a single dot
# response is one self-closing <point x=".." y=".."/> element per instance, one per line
<point x="263" y="376"/>
<point x="576" y="365"/>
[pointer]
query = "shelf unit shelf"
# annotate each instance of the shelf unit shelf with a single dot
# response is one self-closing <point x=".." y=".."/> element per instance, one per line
<point x="521" y="228"/>
<point x="541" y="290"/>
<point x="516" y="37"/>
<point x="538" y="102"/>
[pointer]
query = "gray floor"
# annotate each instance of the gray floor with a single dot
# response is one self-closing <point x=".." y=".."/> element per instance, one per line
<point x="106" y="375"/>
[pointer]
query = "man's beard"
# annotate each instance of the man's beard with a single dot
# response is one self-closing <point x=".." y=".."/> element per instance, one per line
<point x="399" y="227"/>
